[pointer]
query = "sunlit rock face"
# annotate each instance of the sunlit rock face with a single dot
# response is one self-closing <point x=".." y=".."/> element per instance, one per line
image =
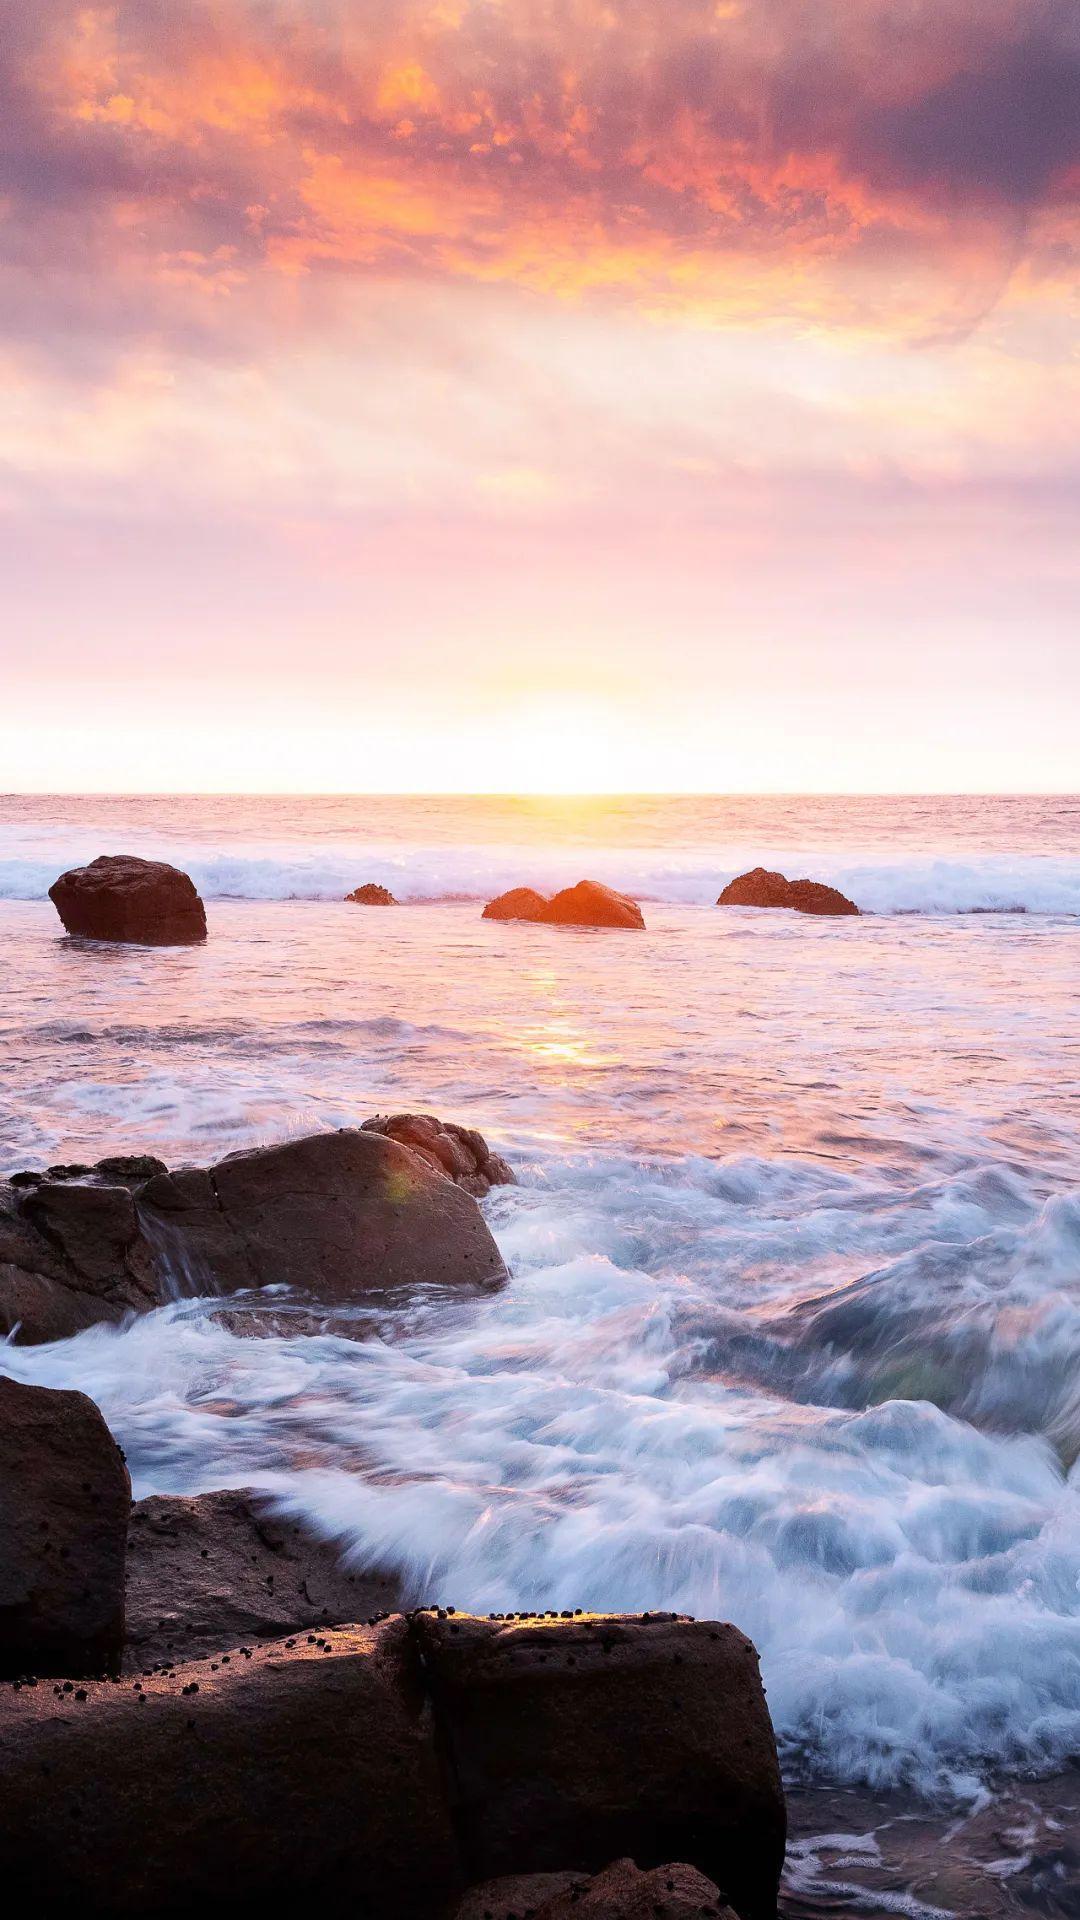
<point x="120" y="897"/>
<point x="762" y="888"/>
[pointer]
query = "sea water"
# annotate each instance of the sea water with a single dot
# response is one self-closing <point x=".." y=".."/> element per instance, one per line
<point x="792" y="1335"/>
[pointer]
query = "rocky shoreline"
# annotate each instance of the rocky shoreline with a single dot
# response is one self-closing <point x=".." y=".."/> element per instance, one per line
<point x="198" y="1698"/>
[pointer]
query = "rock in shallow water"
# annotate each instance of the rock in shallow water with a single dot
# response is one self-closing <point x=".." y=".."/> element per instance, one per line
<point x="64" y="1499"/>
<point x="371" y="895"/>
<point x="459" y="1152"/>
<point x="761" y="888"/>
<point x="338" y="1216"/>
<point x="587" y="905"/>
<point x="120" y="897"/>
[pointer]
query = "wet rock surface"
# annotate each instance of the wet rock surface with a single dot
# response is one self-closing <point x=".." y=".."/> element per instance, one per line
<point x="213" y="1567"/>
<point x="578" y="1741"/>
<point x="64" y="1499"/>
<point x="762" y="888"/>
<point x="371" y="895"/>
<point x="344" y="1217"/>
<point x="337" y="1215"/>
<point x="301" y="1771"/>
<point x="72" y="1253"/>
<point x="121" y="897"/>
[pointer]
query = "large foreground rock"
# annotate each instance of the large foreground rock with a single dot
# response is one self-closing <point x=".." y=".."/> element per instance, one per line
<point x="300" y="1776"/>
<point x="621" y="1892"/>
<point x="459" y="1152"/>
<point x="64" y="1500"/>
<point x="120" y="897"/>
<point x="339" y="1216"/>
<point x="761" y="888"/>
<point x="573" y="1742"/>
<point x="214" y="1569"/>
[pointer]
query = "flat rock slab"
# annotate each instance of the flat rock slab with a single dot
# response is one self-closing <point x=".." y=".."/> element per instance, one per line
<point x="64" y="1500"/>
<point x="573" y="1742"/>
<point x="299" y="1773"/>
<point x="212" y="1568"/>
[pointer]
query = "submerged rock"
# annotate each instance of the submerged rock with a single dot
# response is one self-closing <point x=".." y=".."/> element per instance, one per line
<point x="288" y="1774"/>
<point x="64" y="1501"/>
<point x="211" y="1569"/>
<point x="521" y="903"/>
<point x="120" y="897"/>
<point x="340" y="1217"/>
<point x="761" y="888"/>
<point x="584" y="1740"/>
<point x="459" y="1152"/>
<point x="371" y="895"/>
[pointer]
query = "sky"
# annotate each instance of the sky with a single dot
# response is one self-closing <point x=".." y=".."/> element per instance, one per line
<point x="540" y="395"/>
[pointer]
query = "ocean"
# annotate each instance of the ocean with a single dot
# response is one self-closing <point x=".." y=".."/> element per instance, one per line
<point x="793" y="1330"/>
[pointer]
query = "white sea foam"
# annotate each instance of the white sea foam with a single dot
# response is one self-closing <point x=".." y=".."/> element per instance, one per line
<point x="585" y="1439"/>
<point x="986" y="883"/>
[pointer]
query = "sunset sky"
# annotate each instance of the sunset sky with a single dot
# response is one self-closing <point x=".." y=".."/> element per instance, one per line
<point x="540" y="393"/>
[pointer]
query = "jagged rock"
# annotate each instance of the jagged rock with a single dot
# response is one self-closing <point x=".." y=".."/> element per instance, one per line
<point x="64" y="1500"/>
<point x="298" y="1774"/>
<point x="120" y="897"/>
<point x="371" y="895"/>
<point x="760" y="888"/>
<point x="521" y="903"/>
<point x="591" y="905"/>
<point x="339" y="1216"/>
<point x="579" y="1741"/>
<point x="459" y="1152"/>
<point x="214" y="1569"/>
<point x="621" y="1892"/>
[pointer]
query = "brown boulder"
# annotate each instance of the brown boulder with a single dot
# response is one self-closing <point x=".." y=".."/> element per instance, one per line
<point x="295" y="1774"/>
<point x="761" y="888"/>
<point x="591" y="905"/>
<point x="371" y="895"/>
<point x="339" y="1216"/>
<point x="72" y="1253"/>
<point x="521" y="903"/>
<point x="214" y="1569"/>
<point x="459" y="1152"/>
<point x="621" y="1892"/>
<point x="64" y="1500"/>
<point x="573" y="1742"/>
<point x="120" y="897"/>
